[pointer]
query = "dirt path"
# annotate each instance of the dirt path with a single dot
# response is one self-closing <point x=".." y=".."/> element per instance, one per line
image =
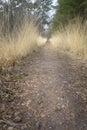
<point x="51" y="95"/>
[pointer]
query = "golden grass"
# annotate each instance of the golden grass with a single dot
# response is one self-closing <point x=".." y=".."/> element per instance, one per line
<point x="41" y="41"/>
<point x="18" y="45"/>
<point x="72" y="39"/>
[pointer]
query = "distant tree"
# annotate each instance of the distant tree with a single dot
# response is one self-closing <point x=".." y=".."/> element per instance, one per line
<point x="69" y="9"/>
<point x="12" y="11"/>
<point x="42" y="8"/>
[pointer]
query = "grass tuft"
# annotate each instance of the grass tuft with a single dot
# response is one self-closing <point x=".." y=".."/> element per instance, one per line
<point x="18" y="45"/>
<point x="71" y="39"/>
<point x="41" y="41"/>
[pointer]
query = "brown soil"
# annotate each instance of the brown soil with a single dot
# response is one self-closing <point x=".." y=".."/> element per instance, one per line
<point x="45" y="91"/>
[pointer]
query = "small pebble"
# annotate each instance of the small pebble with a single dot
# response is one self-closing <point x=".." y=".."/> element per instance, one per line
<point x="10" y="128"/>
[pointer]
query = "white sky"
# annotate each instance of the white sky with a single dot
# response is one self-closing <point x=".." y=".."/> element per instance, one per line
<point x="55" y="2"/>
<point x="52" y="12"/>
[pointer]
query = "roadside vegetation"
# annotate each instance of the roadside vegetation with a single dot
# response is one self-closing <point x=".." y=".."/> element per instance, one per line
<point x="18" y="45"/>
<point x="71" y="39"/>
<point x="69" y="27"/>
<point x="21" y="23"/>
<point x="26" y="40"/>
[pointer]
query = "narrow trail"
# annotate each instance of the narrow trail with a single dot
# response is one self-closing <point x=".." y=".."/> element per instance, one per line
<point x="53" y="95"/>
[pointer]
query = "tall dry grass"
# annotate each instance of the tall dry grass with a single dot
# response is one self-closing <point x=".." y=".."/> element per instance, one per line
<point x="19" y="44"/>
<point x="41" y="41"/>
<point x="72" y="39"/>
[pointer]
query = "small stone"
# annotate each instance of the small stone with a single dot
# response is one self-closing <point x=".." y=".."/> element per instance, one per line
<point x="58" y="108"/>
<point x="50" y="127"/>
<point x="43" y="115"/>
<point x="10" y="128"/>
<point x="63" y="106"/>
<point x="64" y="82"/>
<point x="2" y="109"/>
<point x="60" y="123"/>
<point x="39" y="125"/>
<point x="18" y="119"/>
